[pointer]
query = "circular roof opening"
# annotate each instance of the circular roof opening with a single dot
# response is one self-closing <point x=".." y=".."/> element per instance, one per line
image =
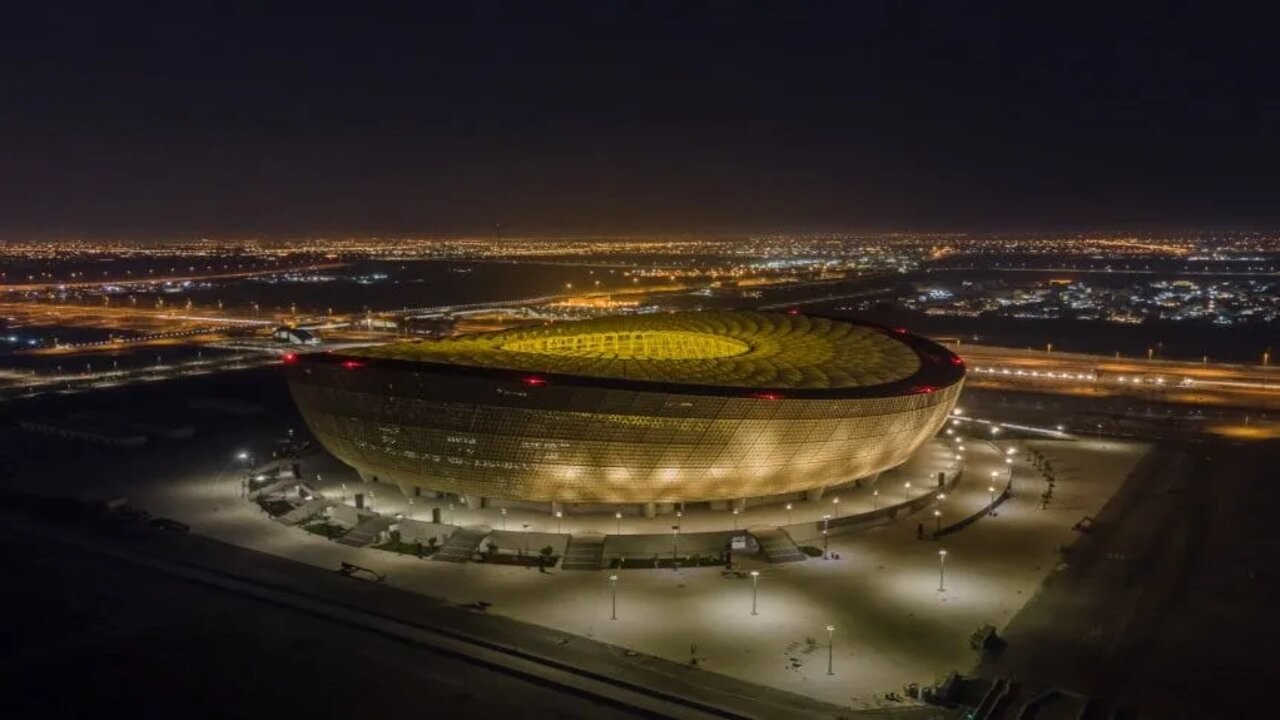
<point x="644" y="345"/>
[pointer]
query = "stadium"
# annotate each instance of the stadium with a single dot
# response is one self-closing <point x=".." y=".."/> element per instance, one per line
<point x="654" y="411"/>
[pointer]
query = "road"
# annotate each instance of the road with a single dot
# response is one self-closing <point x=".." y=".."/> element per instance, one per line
<point x="154" y="280"/>
<point x="1203" y="383"/>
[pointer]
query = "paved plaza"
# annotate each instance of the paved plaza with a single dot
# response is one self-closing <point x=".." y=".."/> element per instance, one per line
<point x="880" y="589"/>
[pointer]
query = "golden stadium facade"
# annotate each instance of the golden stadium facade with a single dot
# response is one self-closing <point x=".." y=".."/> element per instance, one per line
<point x="646" y="409"/>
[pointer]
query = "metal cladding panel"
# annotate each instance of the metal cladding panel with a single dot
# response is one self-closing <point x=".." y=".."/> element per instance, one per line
<point x="541" y="439"/>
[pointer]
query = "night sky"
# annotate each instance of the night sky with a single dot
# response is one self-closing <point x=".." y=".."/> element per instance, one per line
<point x="617" y="117"/>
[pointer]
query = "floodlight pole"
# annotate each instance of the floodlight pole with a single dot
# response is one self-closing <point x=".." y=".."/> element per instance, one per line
<point x="613" y="587"/>
<point x="831" y="629"/>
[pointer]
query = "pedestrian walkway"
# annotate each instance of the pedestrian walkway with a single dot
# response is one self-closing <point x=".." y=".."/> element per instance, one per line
<point x="585" y="552"/>
<point x="463" y="544"/>
<point x="777" y="545"/>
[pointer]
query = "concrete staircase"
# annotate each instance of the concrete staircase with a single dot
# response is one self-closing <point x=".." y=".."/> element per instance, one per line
<point x="777" y="545"/>
<point x="366" y="533"/>
<point x="462" y="544"/>
<point x="305" y="511"/>
<point x="584" y="552"/>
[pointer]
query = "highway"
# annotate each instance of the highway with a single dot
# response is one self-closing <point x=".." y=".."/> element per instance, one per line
<point x="22" y="386"/>
<point x="997" y="368"/>
<point x="1167" y="381"/>
<point x="156" y="280"/>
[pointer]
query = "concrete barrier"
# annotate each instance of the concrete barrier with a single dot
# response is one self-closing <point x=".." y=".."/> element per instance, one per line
<point x="514" y="541"/>
<point x="982" y="512"/>
<point x="810" y="531"/>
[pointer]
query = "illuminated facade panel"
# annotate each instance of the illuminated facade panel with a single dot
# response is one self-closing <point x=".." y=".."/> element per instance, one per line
<point x="524" y="433"/>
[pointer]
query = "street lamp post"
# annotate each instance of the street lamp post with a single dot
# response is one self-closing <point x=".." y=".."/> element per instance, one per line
<point x="613" y="589"/>
<point x="736" y="512"/>
<point x="675" y="544"/>
<point x="906" y="491"/>
<point x="245" y="456"/>
<point x="992" y="490"/>
<point x="617" y="517"/>
<point x="755" y="587"/>
<point x="875" y="499"/>
<point x="937" y="522"/>
<point x="831" y="629"/>
<point x="826" y="525"/>
<point x="503" y="512"/>
<point x="942" y="570"/>
<point x="559" y="520"/>
<point x="836" y="501"/>
<point x="788" y="513"/>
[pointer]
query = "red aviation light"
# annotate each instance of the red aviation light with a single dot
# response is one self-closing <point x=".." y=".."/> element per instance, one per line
<point x="957" y="361"/>
<point x="923" y="389"/>
<point x="900" y="330"/>
<point x="351" y="364"/>
<point x="793" y="311"/>
<point x="768" y="396"/>
<point x="290" y="357"/>
<point x="535" y="381"/>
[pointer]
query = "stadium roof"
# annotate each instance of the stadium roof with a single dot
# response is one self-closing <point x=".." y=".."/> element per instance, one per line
<point x="725" y="349"/>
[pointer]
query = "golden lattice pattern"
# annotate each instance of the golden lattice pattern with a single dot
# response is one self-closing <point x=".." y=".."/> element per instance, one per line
<point x="727" y="349"/>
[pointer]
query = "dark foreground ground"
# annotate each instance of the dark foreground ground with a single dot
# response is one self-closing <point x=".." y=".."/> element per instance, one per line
<point x="1169" y="605"/>
<point x="107" y="613"/>
<point x="89" y="636"/>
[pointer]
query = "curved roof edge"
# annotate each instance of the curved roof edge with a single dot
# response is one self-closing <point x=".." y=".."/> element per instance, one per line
<point x="939" y="368"/>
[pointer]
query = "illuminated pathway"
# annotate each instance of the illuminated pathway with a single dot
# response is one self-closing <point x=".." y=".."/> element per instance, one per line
<point x="892" y="625"/>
